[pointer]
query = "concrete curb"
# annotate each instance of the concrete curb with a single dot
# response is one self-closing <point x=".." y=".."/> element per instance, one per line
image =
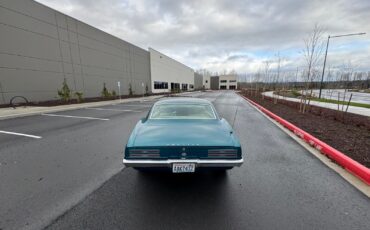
<point x="40" y="110"/>
<point x="347" y="163"/>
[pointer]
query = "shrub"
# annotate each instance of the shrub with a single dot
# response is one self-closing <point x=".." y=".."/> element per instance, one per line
<point x="105" y="93"/>
<point x="130" y="92"/>
<point x="114" y="94"/>
<point x="79" y="97"/>
<point x="296" y="93"/>
<point x="65" y="92"/>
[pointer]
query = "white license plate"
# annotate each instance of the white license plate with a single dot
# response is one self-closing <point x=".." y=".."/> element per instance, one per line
<point x="183" y="167"/>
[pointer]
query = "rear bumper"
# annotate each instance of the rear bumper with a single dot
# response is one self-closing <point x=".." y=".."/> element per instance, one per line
<point x="168" y="163"/>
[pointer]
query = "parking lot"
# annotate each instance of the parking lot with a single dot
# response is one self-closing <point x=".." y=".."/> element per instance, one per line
<point x="49" y="162"/>
<point x="71" y="163"/>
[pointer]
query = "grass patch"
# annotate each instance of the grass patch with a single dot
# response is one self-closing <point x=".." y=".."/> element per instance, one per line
<point x="341" y="102"/>
<point x="288" y="93"/>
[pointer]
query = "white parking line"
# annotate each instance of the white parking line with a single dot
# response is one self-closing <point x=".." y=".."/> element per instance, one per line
<point x="137" y="105"/>
<point x="120" y="110"/>
<point x="68" y="116"/>
<point x="20" y="134"/>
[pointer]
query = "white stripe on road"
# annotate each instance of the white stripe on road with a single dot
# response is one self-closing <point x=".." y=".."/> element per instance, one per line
<point x="20" y="134"/>
<point x="68" y="116"/>
<point x="121" y="110"/>
<point x="137" y="105"/>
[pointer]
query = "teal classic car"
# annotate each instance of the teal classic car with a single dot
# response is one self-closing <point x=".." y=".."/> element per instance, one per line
<point x="183" y="135"/>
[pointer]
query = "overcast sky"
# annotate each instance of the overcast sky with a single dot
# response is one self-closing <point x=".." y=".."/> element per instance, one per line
<point x="230" y="34"/>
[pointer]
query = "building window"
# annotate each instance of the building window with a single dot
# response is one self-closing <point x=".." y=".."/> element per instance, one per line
<point x="223" y="87"/>
<point x="160" y="85"/>
<point x="223" y="81"/>
<point x="175" y="85"/>
<point x="184" y="86"/>
<point x="191" y="86"/>
<point x="232" y="87"/>
<point x="206" y="81"/>
<point x="232" y="80"/>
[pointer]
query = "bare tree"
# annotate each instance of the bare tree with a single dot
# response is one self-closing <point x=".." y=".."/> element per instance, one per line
<point x="257" y="79"/>
<point x="312" y="54"/>
<point x="277" y="77"/>
<point x="267" y="64"/>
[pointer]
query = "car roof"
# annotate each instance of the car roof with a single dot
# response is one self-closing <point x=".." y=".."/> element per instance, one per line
<point x="183" y="100"/>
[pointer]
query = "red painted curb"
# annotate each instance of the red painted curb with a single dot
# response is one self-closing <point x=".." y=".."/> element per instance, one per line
<point x="348" y="163"/>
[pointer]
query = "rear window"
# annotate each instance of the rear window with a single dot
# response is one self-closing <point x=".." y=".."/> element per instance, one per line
<point x="183" y="111"/>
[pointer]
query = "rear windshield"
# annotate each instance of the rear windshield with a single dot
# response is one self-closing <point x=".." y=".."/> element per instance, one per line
<point x="183" y="111"/>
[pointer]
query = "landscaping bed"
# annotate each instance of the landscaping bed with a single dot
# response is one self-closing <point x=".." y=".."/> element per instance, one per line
<point x="348" y="133"/>
<point x="49" y="103"/>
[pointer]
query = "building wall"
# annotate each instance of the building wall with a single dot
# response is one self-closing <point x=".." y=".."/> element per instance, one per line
<point x="207" y="82"/>
<point x="198" y="81"/>
<point x="167" y="70"/>
<point x="215" y="82"/>
<point x="228" y="81"/>
<point x="40" y="47"/>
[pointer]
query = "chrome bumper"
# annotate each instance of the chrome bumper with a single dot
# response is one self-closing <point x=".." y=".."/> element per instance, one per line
<point x="168" y="163"/>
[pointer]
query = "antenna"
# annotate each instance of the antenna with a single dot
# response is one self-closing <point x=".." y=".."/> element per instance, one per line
<point x="236" y="112"/>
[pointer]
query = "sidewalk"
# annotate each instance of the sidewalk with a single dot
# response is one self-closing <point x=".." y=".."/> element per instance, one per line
<point x="351" y="109"/>
<point x="6" y="113"/>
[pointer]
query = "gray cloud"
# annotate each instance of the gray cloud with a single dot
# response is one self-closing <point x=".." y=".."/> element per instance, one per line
<point x="225" y="34"/>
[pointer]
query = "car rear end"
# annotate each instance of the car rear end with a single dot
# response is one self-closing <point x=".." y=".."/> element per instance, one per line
<point x="183" y="158"/>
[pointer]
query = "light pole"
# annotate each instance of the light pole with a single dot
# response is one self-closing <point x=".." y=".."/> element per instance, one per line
<point x="326" y="54"/>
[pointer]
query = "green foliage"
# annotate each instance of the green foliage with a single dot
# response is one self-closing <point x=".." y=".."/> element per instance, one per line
<point x="295" y="93"/>
<point x="79" y="97"/>
<point x="114" y="94"/>
<point x="65" y="92"/>
<point x="105" y="93"/>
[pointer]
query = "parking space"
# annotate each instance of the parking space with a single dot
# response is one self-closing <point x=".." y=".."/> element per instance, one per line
<point x="50" y="161"/>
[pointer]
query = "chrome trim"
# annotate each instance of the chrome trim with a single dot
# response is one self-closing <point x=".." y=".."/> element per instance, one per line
<point x="144" y="155"/>
<point x="222" y="151"/>
<point x="232" y="155"/>
<point x="168" y="163"/>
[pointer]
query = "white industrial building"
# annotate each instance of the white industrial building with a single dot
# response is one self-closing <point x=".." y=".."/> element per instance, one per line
<point x="228" y="81"/>
<point x="41" y="48"/>
<point x="168" y="74"/>
<point x="206" y="81"/>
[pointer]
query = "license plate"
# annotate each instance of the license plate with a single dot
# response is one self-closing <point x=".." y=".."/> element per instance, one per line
<point x="183" y="168"/>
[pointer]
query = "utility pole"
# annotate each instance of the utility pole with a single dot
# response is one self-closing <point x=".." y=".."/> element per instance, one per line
<point x="326" y="54"/>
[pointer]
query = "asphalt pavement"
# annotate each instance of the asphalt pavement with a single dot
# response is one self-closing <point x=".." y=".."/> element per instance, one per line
<point x="77" y="151"/>
<point x="280" y="186"/>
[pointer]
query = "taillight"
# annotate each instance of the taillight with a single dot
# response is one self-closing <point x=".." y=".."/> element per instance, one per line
<point x="222" y="153"/>
<point x="144" y="153"/>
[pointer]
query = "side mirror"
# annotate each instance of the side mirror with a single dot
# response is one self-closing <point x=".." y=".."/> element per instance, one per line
<point x="143" y="119"/>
